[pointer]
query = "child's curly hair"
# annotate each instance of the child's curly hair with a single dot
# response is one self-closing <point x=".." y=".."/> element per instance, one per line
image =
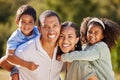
<point x="111" y="32"/>
<point x="83" y="29"/>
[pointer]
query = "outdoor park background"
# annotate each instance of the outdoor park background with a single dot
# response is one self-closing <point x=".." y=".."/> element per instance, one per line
<point x="69" y="10"/>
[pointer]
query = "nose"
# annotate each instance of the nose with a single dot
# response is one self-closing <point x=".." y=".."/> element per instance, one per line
<point x="92" y="34"/>
<point x="51" y="30"/>
<point x="26" y="25"/>
<point x="65" y="39"/>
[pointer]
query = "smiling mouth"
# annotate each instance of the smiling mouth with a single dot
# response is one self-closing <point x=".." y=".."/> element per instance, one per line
<point x="65" y="45"/>
<point x="51" y="36"/>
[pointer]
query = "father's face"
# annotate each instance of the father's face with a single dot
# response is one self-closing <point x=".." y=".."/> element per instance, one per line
<point x="50" y="29"/>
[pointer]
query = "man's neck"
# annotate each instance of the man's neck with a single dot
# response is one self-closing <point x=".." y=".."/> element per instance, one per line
<point x="48" y="47"/>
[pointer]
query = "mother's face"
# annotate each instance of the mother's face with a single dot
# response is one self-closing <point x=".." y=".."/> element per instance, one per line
<point x="67" y="39"/>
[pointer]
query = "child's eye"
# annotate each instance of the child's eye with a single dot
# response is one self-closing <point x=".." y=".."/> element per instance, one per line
<point x="89" y="32"/>
<point x="96" y="33"/>
<point x="31" y="22"/>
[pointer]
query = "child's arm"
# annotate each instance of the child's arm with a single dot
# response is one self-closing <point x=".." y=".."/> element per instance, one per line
<point x="89" y="55"/>
<point x="16" y="60"/>
<point x="14" y="72"/>
<point x="80" y="55"/>
<point x="5" y="65"/>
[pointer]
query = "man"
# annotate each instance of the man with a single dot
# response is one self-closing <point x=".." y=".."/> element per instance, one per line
<point x="42" y="50"/>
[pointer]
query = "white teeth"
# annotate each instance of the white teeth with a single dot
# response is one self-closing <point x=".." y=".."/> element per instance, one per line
<point x="26" y="29"/>
<point x="51" y="36"/>
<point x="65" y="45"/>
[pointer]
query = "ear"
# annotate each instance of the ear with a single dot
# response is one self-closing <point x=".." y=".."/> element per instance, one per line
<point x="77" y="40"/>
<point x="103" y="36"/>
<point x="39" y="29"/>
<point x="17" y="22"/>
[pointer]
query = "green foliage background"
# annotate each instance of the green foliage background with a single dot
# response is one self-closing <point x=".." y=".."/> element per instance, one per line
<point x="69" y="10"/>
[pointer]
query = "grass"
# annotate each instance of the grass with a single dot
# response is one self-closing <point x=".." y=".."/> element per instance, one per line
<point x="4" y="75"/>
<point x="117" y="75"/>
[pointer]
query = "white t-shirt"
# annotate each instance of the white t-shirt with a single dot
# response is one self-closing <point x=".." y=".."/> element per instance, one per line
<point x="49" y="69"/>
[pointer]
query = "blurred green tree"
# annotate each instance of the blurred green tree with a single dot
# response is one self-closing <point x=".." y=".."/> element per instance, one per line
<point x="69" y="10"/>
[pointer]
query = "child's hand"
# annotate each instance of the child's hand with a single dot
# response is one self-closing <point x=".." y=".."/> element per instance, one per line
<point x="59" y="57"/>
<point x="14" y="77"/>
<point x="32" y="66"/>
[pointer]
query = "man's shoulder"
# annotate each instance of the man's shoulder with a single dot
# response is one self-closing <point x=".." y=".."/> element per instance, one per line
<point x="27" y="45"/>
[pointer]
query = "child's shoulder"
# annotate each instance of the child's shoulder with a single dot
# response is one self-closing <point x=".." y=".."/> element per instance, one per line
<point x="14" y="35"/>
<point x="101" y="44"/>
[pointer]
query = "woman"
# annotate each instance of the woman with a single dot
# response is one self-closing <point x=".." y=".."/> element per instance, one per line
<point x="69" y="41"/>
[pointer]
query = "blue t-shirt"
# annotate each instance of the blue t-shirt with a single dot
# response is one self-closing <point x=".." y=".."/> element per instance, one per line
<point x="17" y="38"/>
